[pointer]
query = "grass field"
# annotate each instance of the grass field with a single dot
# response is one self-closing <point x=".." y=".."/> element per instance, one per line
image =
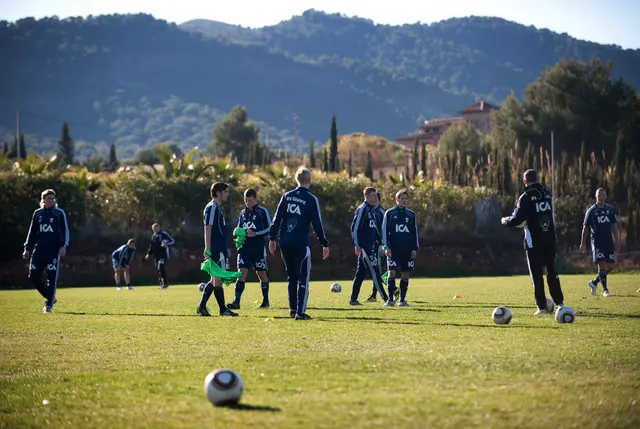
<point x="137" y="359"/>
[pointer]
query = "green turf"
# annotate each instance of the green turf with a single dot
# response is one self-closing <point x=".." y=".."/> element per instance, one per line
<point x="137" y="359"/>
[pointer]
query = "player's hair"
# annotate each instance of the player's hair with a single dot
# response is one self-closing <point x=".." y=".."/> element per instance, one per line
<point x="44" y="194"/>
<point x="402" y="192"/>
<point x="530" y="176"/>
<point x="250" y="193"/>
<point x="218" y="187"/>
<point x="303" y="176"/>
<point x="601" y="190"/>
<point x="369" y="190"/>
<point x="379" y="196"/>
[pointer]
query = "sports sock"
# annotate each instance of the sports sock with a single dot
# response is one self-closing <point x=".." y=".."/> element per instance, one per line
<point x="603" y="278"/>
<point x="264" y="287"/>
<point x="239" y="289"/>
<point x="206" y="294"/>
<point x="391" y="282"/>
<point x="218" y="292"/>
<point x="355" y="289"/>
<point x="596" y="280"/>
<point x="404" y="286"/>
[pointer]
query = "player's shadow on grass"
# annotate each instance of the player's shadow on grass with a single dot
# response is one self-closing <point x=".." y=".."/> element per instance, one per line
<point x="483" y="305"/>
<point x="80" y="313"/>
<point x="609" y="315"/>
<point x="249" y="407"/>
<point x="510" y="326"/>
<point x="368" y="319"/>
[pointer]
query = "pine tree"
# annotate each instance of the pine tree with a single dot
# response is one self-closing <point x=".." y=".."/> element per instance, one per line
<point x="423" y="158"/>
<point x="23" y="147"/>
<point x="13" y="152"/>
<point x="113" y="159"/>
<point x="350" y="165"/>
<point x="325" y="163"/>
<point x="619" y="167"/>
<point x="333" y="154"/>
<point x="506" y="177"/>
<point x="5" y="150"/>
<point x="312" y="154"/>
<point x="368" y="168"/>
<point x="65" y="146"/>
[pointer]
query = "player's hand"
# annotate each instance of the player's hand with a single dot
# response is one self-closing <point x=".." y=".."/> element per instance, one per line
<point x="413" y="254"/>
<point x="251" y="233"/>
<point x="583" y="248"/>
<point x="358" y="251"/>
<point x="272" y="247"/>
<point x="325" y="253"/>
<point x="25" y="255"/>
<point x="381" y="252"/>
<point x="146" y="257"/>
<point x="388" y="253"/>
<point x="62" y="252"/>
<point x="504" y="220"/>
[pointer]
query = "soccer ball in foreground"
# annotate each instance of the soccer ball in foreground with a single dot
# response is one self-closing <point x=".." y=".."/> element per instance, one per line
<point x="223" y="387"/>
<point x="550" y="305"/>
<point x="565" y="315"/>
<point x="502" y="315"/>
<point x="201" y="287"/>
<point x="336" y="288"/>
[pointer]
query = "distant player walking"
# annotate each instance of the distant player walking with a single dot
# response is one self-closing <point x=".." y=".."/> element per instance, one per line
<point x="121" y="259"/>
<point x="46" y="244"/>
<point x="215" y="242"/>
<point x="601" y="222"/>
<point x="296" y="210"/>
<point x="534" y="211"/>
<point x="400" y="242"/>
<point x="256" y="221"/>
<point x="159" y="249"/>
<point x="366" y="237"/>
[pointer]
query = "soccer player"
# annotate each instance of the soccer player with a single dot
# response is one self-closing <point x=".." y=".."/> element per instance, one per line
<point x="255" y="220"/>
<point x="400" y="242"/>
<point x="121" y="258"/>
<point x="215" y="241"/>
<point x="365" y="233"/>
<point x="46" y="244"/>
<point x="382" y="259"/>
<point x="534" y="211"/>
<point x="296" y="210"/>
<point x="159" y="248"/>
<point x="601" y="222"/>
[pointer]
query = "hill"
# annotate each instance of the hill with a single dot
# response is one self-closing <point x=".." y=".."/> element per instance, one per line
<point x="138" y="81"/>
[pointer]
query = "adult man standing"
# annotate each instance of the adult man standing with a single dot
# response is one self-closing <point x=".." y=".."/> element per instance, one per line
<point x="296" y="210"/>
<point x="534" y="212"/>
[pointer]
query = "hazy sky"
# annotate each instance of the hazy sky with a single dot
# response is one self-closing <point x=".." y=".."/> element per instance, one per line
<point x="611" y="22"/>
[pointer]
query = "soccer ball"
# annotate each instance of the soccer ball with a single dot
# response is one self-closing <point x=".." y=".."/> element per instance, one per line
<point x="550" y="305"/>
<point x="336" y="288"/>
<point x="223" y="387"/>
<point x="201" y="287"/>
<point x="396" y="294"/>
<point x="565" y="315"/>
<point x="501" y="315"/>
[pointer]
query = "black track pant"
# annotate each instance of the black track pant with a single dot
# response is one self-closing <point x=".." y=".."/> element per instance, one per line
<point x="539" y="257"/>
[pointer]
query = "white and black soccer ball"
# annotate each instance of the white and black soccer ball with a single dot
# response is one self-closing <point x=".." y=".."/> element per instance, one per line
<point x="565" y="314"/>
<point x="201" y="287"/>
<point x="550" y="306"/>
<point x="501" y="315"/>
<point x="223" y="387"/>
<point x="336" y="288"/>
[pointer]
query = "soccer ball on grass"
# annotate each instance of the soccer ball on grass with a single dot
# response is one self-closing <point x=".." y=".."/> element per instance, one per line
<point x="223" y="387"/>
<point x="336" y="288"/>
<point x="502" y="315"/>
<point x="565" y="315"/>
<point x="201" y="287"/>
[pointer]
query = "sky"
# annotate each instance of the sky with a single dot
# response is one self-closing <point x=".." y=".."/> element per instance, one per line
<point x="607" y="22"/>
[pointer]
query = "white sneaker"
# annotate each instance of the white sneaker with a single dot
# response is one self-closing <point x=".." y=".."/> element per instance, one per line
<point x="606" y="293"/>
<point x="47" y="309"/>
<point x="593" y="287"/>
<point x="541" y="311"/>
<point x="118" y="288"/>
<point x="389" y="303"/>
<point x="130" y="288"/>
<point x="403" y="304"/>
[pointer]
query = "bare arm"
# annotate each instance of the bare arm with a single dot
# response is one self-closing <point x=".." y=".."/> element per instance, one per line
<point x="207" y="237"/>
<point x="585" y="235"/>
<point x="616" y="235"/>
